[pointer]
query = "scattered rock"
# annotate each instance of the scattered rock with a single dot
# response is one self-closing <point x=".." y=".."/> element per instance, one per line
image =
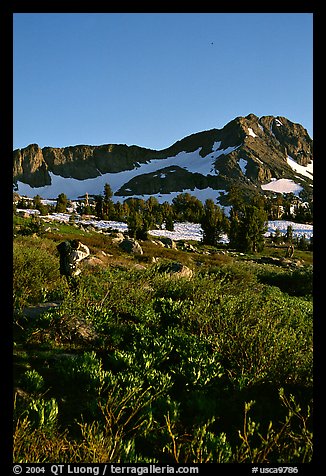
<point x="71" y="329"/>
<point x="168" y="243"/>
<point x="131" y="246"/>
<point x="188" y="247"/>
<point x="292" y="263"/>
<point x="93" y="261"/>
<point x="175" y="269"/>
<point x="158" y="243"/>
<point x="139" y="266"/>
<point x="284" y="262"/>
<point x="118" y="238"/>
<point x="270" y="260"/>
<point x="183" y="272"/>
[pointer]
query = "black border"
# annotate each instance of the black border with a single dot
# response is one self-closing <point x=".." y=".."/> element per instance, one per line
<point x="231" y="6"/>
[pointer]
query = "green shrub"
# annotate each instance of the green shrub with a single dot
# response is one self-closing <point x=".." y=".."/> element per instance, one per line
<point x="40" y="445"/>
<point x="290" y="440"/>
<point x="282" y="442"/>
<point x="31" y="381"/>
<point x="265" y="336"/>
<point x="42" y="413"/>
<point x="203" y="446"/>
<point x="296" y="282"/>
<point x="82" y="372"/>
<point x="35" y="270"/>
<point x="29" y="226"/>
<point x="114" y="438"/>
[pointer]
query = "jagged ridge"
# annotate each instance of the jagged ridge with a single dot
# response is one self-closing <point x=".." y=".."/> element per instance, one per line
<point x="261" y="144"/>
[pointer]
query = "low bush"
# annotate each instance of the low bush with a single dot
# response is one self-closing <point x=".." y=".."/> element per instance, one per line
<point x="296" y="282"/>
<point x="113" y="437"/>
<point x="35" y="271"/>
<point x="31" y="381"/>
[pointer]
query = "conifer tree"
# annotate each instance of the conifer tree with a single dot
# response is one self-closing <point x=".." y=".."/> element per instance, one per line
<point x="235" y="198"/>
<point x="99" y="206"/>
<point x="151" y="212"/>
<point x="212" y="223"/>
<point x="254" y="223"/>
<point x="167" y="216"/>
<point x="38" y="205"/>
<point x="62" y="202"/>
<point x="169" y="223"/>
<point x="187" y="207"/>
<point x="247" y="228"/>
<point x="107" y="192"/>
<point x="118" y="211"/>
<point x="108" y="205"/>
<point x="135" y="224"/>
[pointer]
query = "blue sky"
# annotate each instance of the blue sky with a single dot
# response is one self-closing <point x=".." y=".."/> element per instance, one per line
<point x="151" y="79"/>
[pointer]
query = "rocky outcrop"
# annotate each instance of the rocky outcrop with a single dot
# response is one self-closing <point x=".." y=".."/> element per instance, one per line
<point x="169" y="179"/>
<point x="294" y="139"/>
<point x="30" y="166"/>
<point x="129" y="245"/>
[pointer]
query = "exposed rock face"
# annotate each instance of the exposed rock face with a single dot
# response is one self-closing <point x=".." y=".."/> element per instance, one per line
<point x="293" y="137"/>
<point x="246" y="152"/>
<point x="33" y="164"/>
<point x="30" y="167"/>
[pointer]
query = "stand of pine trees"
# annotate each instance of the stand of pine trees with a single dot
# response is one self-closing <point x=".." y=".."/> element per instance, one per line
<point x="245" y="226"/>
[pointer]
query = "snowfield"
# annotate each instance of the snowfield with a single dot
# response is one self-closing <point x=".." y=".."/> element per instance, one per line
<point x="182" y="231"/>
<point x="299" y="229"/>
<point x="282" y="186"/>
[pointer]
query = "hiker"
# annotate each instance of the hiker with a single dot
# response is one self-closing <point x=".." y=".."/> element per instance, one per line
<point x="71" y="253"/>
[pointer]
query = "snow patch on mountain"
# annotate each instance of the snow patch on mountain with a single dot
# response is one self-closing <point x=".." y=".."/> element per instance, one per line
<point x="306" y="171"/>
<point x="243" y="165"/>
<point x="282" y="186"/>
<point x="251" y="132"/>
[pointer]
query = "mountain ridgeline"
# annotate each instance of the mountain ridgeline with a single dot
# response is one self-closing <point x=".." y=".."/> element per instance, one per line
<point x="247" y="153"/>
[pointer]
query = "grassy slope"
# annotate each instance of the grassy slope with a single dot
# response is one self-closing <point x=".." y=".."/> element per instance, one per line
<point x="165" y="365"/>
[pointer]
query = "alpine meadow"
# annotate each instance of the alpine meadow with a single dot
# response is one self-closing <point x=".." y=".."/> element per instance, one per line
<point x="171" y="351"/>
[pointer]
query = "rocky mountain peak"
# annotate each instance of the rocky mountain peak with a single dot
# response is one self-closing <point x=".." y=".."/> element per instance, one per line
<point x="247" y="152"/>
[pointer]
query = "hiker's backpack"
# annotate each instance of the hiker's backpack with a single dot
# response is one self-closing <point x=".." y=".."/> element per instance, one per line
<point x="67" y="264"/>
